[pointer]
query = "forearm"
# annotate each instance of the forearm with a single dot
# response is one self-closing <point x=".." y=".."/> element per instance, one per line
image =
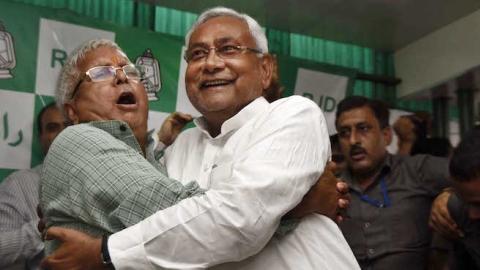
<point x="197" y="233"/>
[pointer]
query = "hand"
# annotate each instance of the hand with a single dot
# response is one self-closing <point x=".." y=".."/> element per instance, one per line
<point x="440" y="219"/>
<point x="77" y="251"/>
<point x="41" y="221"/>
<point x="329" y="196"/>
<point x="172" y="126"/>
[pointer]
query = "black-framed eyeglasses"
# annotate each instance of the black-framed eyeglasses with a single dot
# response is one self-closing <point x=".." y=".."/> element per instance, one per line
<point x="105" y="73"/>
<point x="224" y="51"/>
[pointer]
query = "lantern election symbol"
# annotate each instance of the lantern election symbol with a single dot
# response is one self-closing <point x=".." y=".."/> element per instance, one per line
<point x="151" y="74"/>
<point x="7" y="53"/>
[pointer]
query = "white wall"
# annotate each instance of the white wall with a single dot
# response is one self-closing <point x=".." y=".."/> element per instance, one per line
<point x="439" y="56"/>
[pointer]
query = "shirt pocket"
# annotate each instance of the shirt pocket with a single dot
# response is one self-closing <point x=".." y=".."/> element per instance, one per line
<point x="410" y="223"/>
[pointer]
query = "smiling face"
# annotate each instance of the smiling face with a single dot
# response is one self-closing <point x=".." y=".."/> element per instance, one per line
<point x="219" y="88"/>
<point x="362" y="140"/>
<point x="115" y="99"/>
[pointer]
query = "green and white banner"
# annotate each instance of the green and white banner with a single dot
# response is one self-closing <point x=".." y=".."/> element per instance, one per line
<point x="35" y="41"/>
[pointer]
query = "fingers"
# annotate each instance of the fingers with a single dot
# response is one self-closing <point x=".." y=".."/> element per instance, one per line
<point x="181" y="118"/>
<point x="440" y="219"/>
<point x="342" y="203"/>
<point x="342" y="187"/>
<point x="57" y="233"/>
<point x="445" y="225"/>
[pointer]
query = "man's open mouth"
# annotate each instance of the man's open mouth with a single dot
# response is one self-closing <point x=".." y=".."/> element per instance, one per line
<point x="126" y="98"/>
<point x="214" y="83"/>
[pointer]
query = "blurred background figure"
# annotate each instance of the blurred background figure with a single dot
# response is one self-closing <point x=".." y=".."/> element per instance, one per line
<point x="21" y="246"/>
<point x="435" y="146"/>
<point x="337" y="155"/>
<point x="464" y="204"/>
<point x="413" y="137"/>
<point x="409" y="129"/>
<point x="275" y="90"/>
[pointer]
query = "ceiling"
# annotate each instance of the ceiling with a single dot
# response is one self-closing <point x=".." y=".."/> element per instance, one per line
<point x="386" y="25"/>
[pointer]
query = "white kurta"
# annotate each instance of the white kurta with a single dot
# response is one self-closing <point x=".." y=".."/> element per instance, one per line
<point x="260" y="166"/>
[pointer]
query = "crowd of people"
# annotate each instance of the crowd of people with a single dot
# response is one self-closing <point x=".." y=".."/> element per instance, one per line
<point x="249" y="187"/>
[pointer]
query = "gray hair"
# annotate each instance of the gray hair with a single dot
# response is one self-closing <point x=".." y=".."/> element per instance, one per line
<point x="71" y="75"/>
<point x="255" y="29"/>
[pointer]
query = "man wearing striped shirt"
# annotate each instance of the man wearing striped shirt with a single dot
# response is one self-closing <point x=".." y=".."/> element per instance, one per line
<point x="20" y="244"/>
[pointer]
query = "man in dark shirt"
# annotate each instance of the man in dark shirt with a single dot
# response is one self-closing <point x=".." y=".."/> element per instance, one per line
<point x="464" y="205"/>
<point x="391" y="194"/>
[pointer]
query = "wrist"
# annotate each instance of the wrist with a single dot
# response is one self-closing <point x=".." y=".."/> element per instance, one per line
<point x="105" y="254"/>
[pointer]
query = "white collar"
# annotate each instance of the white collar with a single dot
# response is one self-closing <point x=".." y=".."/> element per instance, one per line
<point x="255" y="107"/>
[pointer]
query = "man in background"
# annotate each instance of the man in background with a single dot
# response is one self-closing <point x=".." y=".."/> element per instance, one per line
<point x="463" y="206"/>
<point x="21" y="246"/>
<point x="391" y="194"/>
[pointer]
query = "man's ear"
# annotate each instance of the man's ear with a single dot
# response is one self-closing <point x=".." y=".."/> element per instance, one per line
<point x="267" y="70"/>
<point x="71" y="113"/>
<point x="387" y="135"/>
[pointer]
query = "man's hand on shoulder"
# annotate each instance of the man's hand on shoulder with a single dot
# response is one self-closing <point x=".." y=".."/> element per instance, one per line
<point x="440" y="219"/>
<point x="77" y="251"/>
<point x="172" y="126"/>
<point x="329" y="197"/>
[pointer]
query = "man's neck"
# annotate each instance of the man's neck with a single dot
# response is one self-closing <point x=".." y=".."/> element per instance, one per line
<point x="365" y="180"/>
<point x="214" y="123"/>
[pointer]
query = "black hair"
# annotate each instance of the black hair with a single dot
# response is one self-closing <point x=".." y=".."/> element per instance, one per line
<point x="436" y="146"/>
<point x="465" y="161"/>
<point x="379" y="108"/>
<point x="40" y="115"/>
<point x="420" y="126"/>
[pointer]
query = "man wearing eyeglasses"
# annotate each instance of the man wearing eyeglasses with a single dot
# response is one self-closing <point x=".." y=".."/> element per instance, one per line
<point x="256" y="161"/>
<point x="101" y="174"/>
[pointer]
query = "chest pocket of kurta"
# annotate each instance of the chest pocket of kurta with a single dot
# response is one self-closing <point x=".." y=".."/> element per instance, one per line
<point x="220" y="173"/>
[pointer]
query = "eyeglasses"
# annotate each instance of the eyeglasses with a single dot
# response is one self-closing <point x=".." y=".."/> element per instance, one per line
<point x="105" y="73"/>
<point x="224" y="52"/>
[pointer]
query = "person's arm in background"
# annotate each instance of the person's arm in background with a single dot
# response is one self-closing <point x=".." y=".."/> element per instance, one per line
<point x="440" y="219"/>
<point x="435" y="178"/>
<point x="19" y="237"/>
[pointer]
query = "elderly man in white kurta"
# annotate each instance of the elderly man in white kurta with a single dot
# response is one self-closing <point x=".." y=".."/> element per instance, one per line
<point x="256" y="159"/>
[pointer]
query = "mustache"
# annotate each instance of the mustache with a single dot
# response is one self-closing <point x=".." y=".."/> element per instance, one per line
<point x="357" y="149"/>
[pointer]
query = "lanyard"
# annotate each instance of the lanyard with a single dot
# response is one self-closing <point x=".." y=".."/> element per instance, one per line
<point x="386" y="200"/>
